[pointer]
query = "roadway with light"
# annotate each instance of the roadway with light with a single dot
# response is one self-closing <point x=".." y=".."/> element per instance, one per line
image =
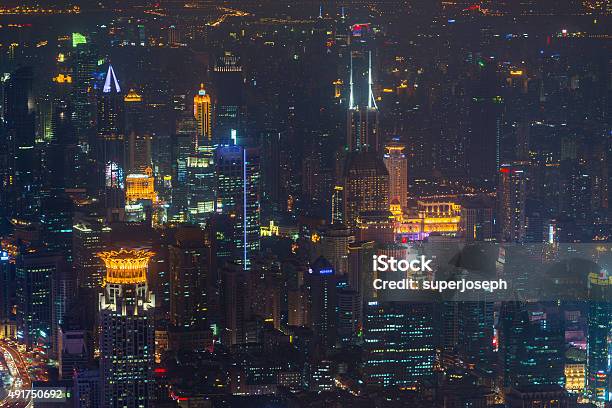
<point x="19" y="373"/>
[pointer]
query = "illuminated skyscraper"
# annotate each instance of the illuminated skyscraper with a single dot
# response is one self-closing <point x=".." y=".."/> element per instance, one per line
<point x="366" y="186"/>
<point x="362" y="118"/>
<point x="337" y="205"/>
<point x="321" y="282"/>
<point x="84" y="65"/>
<point x="202" y="109"/>
<point x="140" y="187"/>
<point x="400" y="343"/>
<point x="238" y="195"/>
<point x="36" y="274"/>
<point x="229" y="97"/>
<point x="89" y="237"/>
<point x="139" y="141"/>
<point x="598" y="336"/>
<point x="201" y="184"/>
<point x="110" y="147"/>
<point x="397" y="165"/>
<point x="126" y="330"/>
<point x="512" y="196"/>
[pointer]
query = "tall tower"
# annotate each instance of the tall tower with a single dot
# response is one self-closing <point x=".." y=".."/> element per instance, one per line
<point x="126" y="330"/>
<point x="19" y="116"/>
<point x="598" y="335"/>
<point x="238" y="186"/>
<point x="202" y="114"/>
<point x="362" y="118"/>
<point x="139" y="141"/>
<point x="512" y="195"/>
<point x="229" y="97"/>
<point x="397" y="165"/>
<point x="110" y="148"/>
<point x="366" y="185"/>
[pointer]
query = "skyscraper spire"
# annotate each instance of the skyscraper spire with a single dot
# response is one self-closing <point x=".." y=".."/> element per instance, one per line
<point x="371" y="100"/>
<point x="111" y="79"/>
<point x="351" y="96"/>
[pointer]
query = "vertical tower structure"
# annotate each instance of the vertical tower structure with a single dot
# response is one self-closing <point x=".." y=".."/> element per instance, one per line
<point x="126" y="330"/>
<point x="362" y="118"/>
<point x="202" y="114"/>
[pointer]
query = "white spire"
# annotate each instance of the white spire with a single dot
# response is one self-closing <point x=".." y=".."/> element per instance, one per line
<point x="108" y="84"/>
<point x="351" y="97"/>
<point x="371" y="100"/>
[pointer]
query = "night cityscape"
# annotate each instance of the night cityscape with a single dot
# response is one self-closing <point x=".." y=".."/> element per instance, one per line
<point x="197" y="196"/>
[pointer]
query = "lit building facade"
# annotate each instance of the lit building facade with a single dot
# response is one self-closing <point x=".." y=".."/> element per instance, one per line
<point x="431" y="216"/>
<point x="238" y="195"/>
<point x="399" y="343"/>
<point x="598" y="336"/>
<point x="89" y="237"/>
<point x="362" y="114"/>
<point x="201" y="184"/>
<point x="397" y="165"/>
<point x="127" y="342"/>
<point x="140" y="187"/>
<point x="366" y="185"/>
<point x="512" y="196"/>
<point x="110" y="147"/>
<point x="202" y="109"/>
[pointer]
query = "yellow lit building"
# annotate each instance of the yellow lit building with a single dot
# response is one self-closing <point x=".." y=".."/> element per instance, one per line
<point x="439" y="216"/>
<point x="202" y="114"/>
<point x="140" y="187"/>
<point x="575" y="375"/>
<point x="126" y="266"/>
<point x="132" y="96"/>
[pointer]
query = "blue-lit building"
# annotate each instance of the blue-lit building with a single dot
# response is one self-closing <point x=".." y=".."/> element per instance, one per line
<point x="598" y="336"/>
<point x="399" y="343"/>
<point x="238" y="195"/>
<point x="36" y="274"/>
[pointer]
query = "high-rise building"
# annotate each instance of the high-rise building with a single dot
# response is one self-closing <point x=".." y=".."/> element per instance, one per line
<point x="396" y="163"/>
<point x="127" y="344"/>
<point x="110" y="146"/>
<point x="20" y="126"/>
<point x="201" y="184"/>
<point x="73" y="351"/>
<point x="599" y="370"/>
<point x="485" y="129"/>
<point x="322" y="285"/>
<point x="182" y="149"/>
<point x="477" y="221"/>
<point x="235" y="303"/>
<point x="238" y="195"/>
<point x="337" y="205"/>
<point x="36" y="275"/>
<point x="90" y="236"/>
<point x="362" y="115"/>
<point x="334" y="246"/>
<point x="189" y="266"/>
<point x="84" y="66"/>
<point x="202" y="110"/>
<point x="400" y="343"/>
<point x="139" y="140"/>
<point x="229" y="97"/>
<point x="366" y="186"/>
<point x="512" y="196"/>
